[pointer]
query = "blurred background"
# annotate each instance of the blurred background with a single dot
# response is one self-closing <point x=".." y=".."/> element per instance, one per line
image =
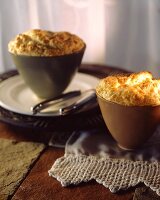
<point x="123" y="33"/>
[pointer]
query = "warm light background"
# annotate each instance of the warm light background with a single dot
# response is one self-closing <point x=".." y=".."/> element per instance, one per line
<point x="123" y="33"/>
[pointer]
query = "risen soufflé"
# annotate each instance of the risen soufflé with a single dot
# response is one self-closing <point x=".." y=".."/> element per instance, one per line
<point x="135" y="89"/>
<point x="38" y="42"/>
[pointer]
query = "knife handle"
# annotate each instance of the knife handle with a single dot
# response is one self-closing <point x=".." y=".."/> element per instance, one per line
<point x="86" y="99"/>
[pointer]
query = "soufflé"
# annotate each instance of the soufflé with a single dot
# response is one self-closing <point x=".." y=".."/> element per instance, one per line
<point x="53" y="57"/>
<point x="45" y="43"/>
<point x="136" y="89"/>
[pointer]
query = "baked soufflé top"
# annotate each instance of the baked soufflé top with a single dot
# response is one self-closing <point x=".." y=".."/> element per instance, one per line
<point x="136" y="89"/>
<point x="38" y="42"/>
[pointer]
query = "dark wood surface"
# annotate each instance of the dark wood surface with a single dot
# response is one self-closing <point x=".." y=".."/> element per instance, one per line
<point x="37" y="184"/>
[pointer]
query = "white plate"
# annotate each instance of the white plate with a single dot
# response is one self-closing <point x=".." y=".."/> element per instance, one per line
<point x="17" y="97"/>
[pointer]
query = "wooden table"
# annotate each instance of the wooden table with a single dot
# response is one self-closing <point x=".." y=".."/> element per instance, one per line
<point x="37" y="184"/>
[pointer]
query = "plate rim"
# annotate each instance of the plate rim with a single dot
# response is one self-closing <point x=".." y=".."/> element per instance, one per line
<point x="27" y="113"/>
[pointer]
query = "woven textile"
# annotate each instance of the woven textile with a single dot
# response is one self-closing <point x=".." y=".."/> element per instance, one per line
<point x="95" y="155"/>
<point x="16" y="159"/>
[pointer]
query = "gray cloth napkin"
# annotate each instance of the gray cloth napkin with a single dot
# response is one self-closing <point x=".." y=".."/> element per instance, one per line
<point x="93" y="154"/>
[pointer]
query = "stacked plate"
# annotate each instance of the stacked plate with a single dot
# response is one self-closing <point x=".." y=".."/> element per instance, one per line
<point x="16" y="101"/>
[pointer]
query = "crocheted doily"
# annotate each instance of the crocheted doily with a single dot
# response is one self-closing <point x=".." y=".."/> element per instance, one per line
<point x="94" y="155"/>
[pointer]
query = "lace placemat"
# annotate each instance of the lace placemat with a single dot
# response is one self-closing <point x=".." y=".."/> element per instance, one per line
<point x="95" y="155"/>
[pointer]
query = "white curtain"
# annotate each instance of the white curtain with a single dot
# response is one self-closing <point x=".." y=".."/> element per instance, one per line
<point x="122" y="33"/>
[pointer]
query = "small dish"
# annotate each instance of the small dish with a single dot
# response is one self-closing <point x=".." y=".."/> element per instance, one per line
<point x="48" y="63"/>
<point x="130" y="126"/>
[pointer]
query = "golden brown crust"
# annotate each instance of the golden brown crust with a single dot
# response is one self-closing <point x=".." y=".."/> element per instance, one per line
<point x="136" y="89"/>
<point x="45" y="43"/>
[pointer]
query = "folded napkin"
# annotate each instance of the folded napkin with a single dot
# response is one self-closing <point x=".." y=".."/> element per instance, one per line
<point x="93" y="154"/>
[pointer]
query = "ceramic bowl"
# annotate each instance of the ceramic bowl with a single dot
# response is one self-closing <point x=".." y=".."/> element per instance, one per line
<point x="48" y="77"/>
<point x="130" y="126"/>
